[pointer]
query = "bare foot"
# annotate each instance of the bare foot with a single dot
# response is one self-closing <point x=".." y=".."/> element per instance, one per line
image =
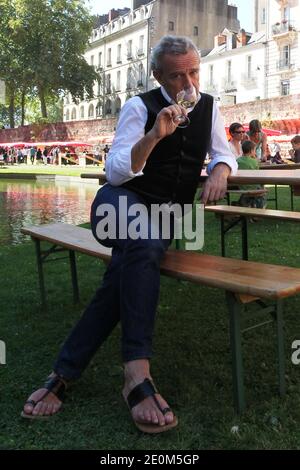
<point x="42" y="402"/>
<point x="146" y="412"/>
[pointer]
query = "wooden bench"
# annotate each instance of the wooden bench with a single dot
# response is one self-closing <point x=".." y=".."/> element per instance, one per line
<point x="243" y="281"/>
<point x="241" y="215"/>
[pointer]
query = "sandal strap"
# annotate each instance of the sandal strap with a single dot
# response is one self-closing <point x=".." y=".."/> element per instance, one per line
<point x="140" y="392"/>
<point x="57" y="386"/>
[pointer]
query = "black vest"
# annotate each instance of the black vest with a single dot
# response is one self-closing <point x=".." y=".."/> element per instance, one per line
<point x="173" y="168"/>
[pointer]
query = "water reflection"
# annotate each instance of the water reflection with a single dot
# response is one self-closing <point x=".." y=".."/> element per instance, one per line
<point x="33" y="203"/>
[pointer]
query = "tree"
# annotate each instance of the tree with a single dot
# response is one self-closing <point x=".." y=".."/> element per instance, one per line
<point x="42" y="43"/>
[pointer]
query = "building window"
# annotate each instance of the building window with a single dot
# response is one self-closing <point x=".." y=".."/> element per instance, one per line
<point x="98" y="109"/>
<point x="286" y="14"/>
<point x="263" y="16"/>
<point x="67" y="115"/>
<point x="109" y="57"/>
<point x="211" y="74"/>
<point x="129" y="79"/>
<point x="108" y="107"/>
<point x="118" y="105"/>
<point x="82" y="112"/>
<point x="141" y="75"/>
<point x="73" y="115"/>
<point x="141" y="45"/>
<point x="196" y="31"/>
<point x="91" y="111"/>
<point x="285" y="87"/>
<point x="171" y="25"/>
<point x="119" y="54"/>
<point x="229" y="71"/>
<point x="249" y="66"/>
<point x="118" y="84"/>
<point x="92" y="60"/>
<point x="100" y="60"/>
<point x="129" y="49"/>
<point x="108" y="83"/>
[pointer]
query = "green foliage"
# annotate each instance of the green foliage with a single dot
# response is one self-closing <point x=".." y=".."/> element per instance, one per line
<point x="42" y="43"/>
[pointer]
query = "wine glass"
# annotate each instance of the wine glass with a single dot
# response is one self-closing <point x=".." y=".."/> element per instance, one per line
<point x="187" y="98"/>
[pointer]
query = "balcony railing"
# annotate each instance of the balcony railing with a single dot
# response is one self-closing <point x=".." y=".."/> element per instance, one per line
<point x="284" y="64"/>
<point x="283" y="27"/>
<point x="229" y="86"/>
<point x="249" y="80"/>
<point x="210" y="87"/>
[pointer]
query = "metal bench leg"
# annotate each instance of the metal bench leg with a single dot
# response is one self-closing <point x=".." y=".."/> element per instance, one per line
<point x="236" y="351"/>
<point x="244" y="238"/>
<point x="292" y="198"/>
<point x="280" y="347"/>
<point x="74" y="276"/>
<point x="222" y="221"/>
<point x="40" y="270"/>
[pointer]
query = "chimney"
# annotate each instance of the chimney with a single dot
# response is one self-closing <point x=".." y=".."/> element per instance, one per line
<point x="241" y="38"/>
<point x="112" y="14"/>
<point x="219" y="40"/>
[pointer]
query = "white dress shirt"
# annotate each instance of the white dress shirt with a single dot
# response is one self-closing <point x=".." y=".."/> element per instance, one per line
<point x="131" y="129"/>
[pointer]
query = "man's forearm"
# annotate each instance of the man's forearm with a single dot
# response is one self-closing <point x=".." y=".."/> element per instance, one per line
<point x="142" y="149"/>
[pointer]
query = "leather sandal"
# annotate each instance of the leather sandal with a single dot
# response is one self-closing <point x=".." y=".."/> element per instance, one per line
<point x="137" y="395"/>
<point x="53" y="384"/>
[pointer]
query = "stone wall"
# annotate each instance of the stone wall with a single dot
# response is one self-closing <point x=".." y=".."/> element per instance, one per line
<point x="62" y="131"/>
<point x="282" y="113"/>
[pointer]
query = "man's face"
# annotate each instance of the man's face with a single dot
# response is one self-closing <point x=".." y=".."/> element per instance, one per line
<point x="178" y="72"/>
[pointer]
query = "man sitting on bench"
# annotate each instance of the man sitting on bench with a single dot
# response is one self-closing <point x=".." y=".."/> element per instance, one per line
<point x="152" y="160"/>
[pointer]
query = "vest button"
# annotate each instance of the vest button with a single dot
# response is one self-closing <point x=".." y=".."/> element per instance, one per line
<point x="182" y="153"/>
<point x="184" y="138"/>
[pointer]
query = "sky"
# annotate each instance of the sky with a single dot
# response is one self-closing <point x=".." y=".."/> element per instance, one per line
<point x="245" y="9"/>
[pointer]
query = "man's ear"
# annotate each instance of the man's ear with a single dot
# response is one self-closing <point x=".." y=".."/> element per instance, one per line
<point x="157" y="76"/>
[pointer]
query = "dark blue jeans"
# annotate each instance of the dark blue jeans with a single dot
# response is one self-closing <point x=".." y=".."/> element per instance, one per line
<point x="129" y="292"/>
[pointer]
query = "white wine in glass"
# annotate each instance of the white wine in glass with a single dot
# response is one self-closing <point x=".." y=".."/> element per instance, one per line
<point x="186" y="98"/>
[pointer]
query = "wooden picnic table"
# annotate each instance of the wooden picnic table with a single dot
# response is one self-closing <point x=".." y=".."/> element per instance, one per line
<point x="279" y="166"/>
<point x="283" y="177"/>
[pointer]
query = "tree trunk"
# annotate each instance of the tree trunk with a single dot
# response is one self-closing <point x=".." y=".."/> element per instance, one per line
<point x="23" y="107"/>
<point x="11" y="108"/>
<point x="43" y="103"/>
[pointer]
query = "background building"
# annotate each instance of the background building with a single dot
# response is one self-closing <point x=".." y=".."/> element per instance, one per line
<point x="264" y="65"/>
<point x="121" y="45"/>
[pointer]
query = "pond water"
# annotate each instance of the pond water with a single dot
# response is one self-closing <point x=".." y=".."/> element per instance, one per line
<point x="25" y="202"/>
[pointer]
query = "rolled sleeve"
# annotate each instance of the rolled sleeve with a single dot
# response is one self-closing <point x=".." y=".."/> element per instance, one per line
<point x="130" y="129"/>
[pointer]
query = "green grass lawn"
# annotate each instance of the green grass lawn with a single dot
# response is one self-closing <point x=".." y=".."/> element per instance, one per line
<point x="191" y="366"/>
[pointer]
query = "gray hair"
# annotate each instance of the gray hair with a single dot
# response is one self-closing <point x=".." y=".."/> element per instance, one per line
<point x="174" y="45"/>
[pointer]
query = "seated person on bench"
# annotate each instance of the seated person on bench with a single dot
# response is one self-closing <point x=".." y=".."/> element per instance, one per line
<point x="248" y="161"/>
<point x="151" y="161"/>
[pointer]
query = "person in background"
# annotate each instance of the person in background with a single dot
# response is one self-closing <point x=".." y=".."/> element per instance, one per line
<point x="237" y="135"/>
<point x="259" y="138"/>
<point x="295" y="151"/>
<point x="248" y="161"/>
<point x="32" y="153"/>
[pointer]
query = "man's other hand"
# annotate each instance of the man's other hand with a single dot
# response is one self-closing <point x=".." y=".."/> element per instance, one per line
<point x="215" y="186"/>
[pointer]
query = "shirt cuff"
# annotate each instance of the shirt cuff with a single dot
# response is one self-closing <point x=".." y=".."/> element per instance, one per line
<point x="231" y="162"/>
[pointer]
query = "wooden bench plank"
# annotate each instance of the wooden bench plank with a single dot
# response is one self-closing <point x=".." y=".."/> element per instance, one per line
<point x="254" y="212"/>
<point x="238" y="276"/>
<point x="243" y="281"/>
